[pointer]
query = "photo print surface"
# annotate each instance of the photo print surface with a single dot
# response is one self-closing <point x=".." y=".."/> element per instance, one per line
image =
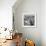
<point x="29" y="20"/>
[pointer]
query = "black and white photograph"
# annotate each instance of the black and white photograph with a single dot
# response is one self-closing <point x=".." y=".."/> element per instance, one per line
<point x="29" y="20"/>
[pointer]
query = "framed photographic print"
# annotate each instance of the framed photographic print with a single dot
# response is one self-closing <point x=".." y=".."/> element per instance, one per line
<point x="29" y="20"/>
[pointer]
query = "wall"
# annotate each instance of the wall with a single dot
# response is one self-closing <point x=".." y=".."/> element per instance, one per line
<point x="29" y="6"/>
<point x="43" y="22"/>
<point x="6" y="13"/>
